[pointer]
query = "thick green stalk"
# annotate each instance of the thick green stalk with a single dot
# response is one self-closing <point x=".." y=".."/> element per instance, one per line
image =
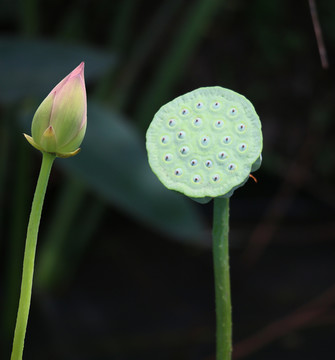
<point x="29" y="257"/>
<point x="222" y="279"/>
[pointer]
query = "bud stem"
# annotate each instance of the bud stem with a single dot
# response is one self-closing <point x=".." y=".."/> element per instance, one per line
<point x="29" y="256"/>
<point x="222" y="279"/>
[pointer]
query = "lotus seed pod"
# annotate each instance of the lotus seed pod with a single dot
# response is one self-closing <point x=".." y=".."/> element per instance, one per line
<point x="205" y="143"/>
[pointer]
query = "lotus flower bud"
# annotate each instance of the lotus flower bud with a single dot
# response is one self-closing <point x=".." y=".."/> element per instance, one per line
<point x="59" y="123"/>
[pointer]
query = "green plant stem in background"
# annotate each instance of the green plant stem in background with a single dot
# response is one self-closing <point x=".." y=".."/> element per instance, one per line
<point x="29" y="257"/>
<point x="51" y="256"/>
<point x="170" y="70"/>
<point x="29" y="12"/>
<point x="222" y="279"/>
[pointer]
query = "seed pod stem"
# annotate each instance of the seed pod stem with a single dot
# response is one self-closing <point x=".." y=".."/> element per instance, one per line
<point x="222" y="279"/>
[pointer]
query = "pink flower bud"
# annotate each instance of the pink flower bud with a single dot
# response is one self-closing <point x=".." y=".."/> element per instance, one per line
<point x="59" y="123"/>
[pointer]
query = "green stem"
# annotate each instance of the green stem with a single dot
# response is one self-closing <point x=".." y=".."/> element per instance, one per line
<point x="29" y="257"/>
<point x="222" y="279"/>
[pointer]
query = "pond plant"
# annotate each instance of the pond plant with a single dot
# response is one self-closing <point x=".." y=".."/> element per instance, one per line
<point x="205" y="144"/>
<point x="58" y="128"/>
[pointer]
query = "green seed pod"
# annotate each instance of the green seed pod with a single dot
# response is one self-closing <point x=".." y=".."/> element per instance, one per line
<point x="205" y="143"/>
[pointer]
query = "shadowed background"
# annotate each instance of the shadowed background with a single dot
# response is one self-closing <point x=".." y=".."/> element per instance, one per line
<point x="123" y="266"/>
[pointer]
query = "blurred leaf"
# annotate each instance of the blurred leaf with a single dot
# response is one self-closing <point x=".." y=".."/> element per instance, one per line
<point x="113" y="163"/>
<point x="29" y="66"/>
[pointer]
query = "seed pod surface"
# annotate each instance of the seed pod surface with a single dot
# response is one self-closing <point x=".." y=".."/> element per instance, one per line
<point x="205" y="143"/>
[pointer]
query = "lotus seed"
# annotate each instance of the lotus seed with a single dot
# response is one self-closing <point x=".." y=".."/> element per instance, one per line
<point x="233" y="111"/>
<point x="196" y="178"/>
<point x="208" y="163"/>
<point x="181" y="135"/>
<point x="227" y="139"/>
<point x="172" y="122"/>
<point x="219" y="123"/>
<point x="241" y="127"/>
<point x="242" y="147"/>
<point x="184" y="112"/>
<point x="216" y="177"/>
<point x="178" y="172"/>
<point x="231" y="167"/>
<point x="184" y="150"/>
<point x="194" y="162"/>
<point x="168" y="157"/>
<point x="222" y="155"/>
<point x="216" y="105"/>
<point x="165" y="139"/>
<point x="197" y="122"/>
<point x="205" y="140"/>
<point x="200" y="105"/>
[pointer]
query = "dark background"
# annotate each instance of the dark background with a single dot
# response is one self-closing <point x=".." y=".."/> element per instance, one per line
<point x="124" y="267"/>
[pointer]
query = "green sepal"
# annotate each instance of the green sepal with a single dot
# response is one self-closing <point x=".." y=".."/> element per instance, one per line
<point x="68" y="154"/>
<point x="32" y="142"/>
<point x="61" y="155"/>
